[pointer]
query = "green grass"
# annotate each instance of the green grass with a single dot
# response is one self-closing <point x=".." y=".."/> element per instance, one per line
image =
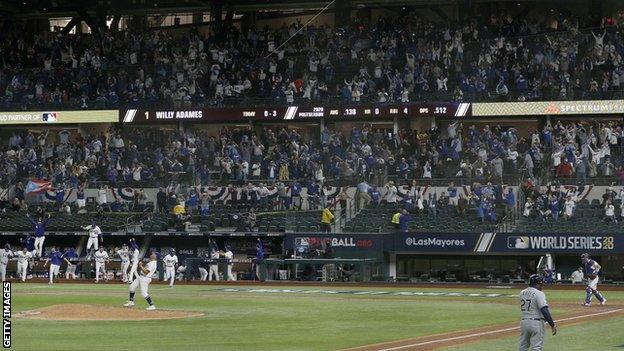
<point x="259" y="321"/>
<point x="600" y="335"/>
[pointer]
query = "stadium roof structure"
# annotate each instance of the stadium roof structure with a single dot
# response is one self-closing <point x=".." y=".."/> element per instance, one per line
<point x="71" y="8"/>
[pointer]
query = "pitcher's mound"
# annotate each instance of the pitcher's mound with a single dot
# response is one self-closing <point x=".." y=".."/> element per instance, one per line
<point x="79" y="312"/>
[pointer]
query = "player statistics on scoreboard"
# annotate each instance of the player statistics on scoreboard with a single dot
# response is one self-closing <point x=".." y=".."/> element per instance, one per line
<point x="298" y="113"/>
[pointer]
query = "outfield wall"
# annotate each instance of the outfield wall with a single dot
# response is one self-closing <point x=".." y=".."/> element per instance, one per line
<point x="506" y="249"/>
<point x="398" y="255"/>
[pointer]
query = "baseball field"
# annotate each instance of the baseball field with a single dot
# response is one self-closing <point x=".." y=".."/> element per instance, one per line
<point x="238" y="317"/>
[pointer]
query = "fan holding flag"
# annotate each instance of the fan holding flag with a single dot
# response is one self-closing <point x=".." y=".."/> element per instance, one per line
<point x="38" y="186"/>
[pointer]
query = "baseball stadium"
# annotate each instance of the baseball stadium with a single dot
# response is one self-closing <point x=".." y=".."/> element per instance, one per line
<point x="333" y="175"/>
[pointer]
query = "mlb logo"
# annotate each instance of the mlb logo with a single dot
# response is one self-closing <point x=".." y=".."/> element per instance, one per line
<point x="49" y="116"/>
<point x="518" y="242"/>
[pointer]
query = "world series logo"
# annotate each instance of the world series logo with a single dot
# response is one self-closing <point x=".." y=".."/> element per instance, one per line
<point x="561" y="242"/>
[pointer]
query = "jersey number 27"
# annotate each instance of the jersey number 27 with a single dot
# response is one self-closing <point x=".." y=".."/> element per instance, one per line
<point x="524" y="303"/>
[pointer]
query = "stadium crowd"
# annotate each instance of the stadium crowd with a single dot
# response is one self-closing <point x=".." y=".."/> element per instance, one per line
<point x="571" y="152"/>
<point x="394" y="59"/>
<point x="376" y="161"/>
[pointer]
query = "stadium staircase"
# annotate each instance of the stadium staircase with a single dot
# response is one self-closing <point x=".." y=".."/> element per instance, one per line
<point x="376" y="219"/>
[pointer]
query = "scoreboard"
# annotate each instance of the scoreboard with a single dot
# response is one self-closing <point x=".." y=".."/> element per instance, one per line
<point x="299" y="113"/>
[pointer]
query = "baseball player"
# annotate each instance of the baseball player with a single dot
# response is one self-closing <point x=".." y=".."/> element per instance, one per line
<point x="534" y="312"/>
<point x="228" y="255"/>
<point x="70" y="272"/>
<point x="23" y="257"/>
<point x="549" y="275"/>
<point x="124" y="255"/>
<point x="591" y="269"/>
<point x="55" y="258"/>
<point x="259" y="257"/>
<point x="181" y="271"/>
<point x="39" y="228"/>
<point x="101" y="257"/>
<point x="170" y="261"/>
<point x="134" y="251"/>
<point x="214" y="265"/>
<point x="145" y="278"/>
<point x="94" y="235"/>
<point x="5" y="255"/>
<point x="28" y="241"/>
<point x="203" y="272"/>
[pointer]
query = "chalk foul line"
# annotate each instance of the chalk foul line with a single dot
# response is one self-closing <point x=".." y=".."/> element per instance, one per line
<point x="490" y="332"/>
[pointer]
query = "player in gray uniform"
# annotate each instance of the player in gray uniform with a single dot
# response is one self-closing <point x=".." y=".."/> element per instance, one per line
<point x="5" y="255"/>
<point x="534" y="312"/>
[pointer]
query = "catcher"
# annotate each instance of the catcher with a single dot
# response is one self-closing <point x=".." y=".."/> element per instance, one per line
<point x="591" y="269"/>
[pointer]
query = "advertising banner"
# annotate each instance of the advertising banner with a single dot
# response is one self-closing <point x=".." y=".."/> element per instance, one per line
<point x="297" y="113"/>
<point x="344" y="245"/>
<point x="59" y="117"/>
<point x="501" y="243"/>
<point x="436" y="242"/>
<point x="565" y="243"/>
<point x="538" y="108"/>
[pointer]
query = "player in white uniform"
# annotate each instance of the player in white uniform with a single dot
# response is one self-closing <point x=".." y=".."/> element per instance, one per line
<point x="5" y="255"/>
<point x="23" y="257"/>
<point x="228" y="255"/>
<point x="134" y="252"/>
<point x="203" y="273"/>
<point x="181" y="271"/>
<point x="145" y="278"/>
<point x="535" y="311"/>
<point x="214" y="265"/>
<point x="94" y="235"/>
<point x="124" y="255"/>
<point x="101" y="257"/>
<point x="570" y="205"/>
<point x="170" y="261"/>
<point x="70" y="271"/>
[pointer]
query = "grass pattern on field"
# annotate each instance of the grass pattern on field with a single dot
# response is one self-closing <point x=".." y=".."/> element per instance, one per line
<point x="601" y="335"/>
<point x="245" y="321"/>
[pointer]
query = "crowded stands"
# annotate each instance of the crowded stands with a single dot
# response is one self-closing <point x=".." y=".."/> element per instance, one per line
<point x="138" y="157"/>
<point x="247" y="164"/>
<point x="373" y="177"/>
<point x="555" y="56"/>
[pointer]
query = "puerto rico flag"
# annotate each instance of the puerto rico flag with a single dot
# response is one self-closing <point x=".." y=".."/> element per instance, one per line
<point x="37" y="186"/>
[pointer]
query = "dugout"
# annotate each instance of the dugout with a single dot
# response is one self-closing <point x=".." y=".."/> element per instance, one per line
<point x="498" y="257"/>
<point x="494" y="268"/>
<point x="360" y="256"/>
<point x="193" y="248"/>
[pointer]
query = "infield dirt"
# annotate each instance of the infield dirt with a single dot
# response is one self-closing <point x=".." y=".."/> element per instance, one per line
<point x="83" y="312"/>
